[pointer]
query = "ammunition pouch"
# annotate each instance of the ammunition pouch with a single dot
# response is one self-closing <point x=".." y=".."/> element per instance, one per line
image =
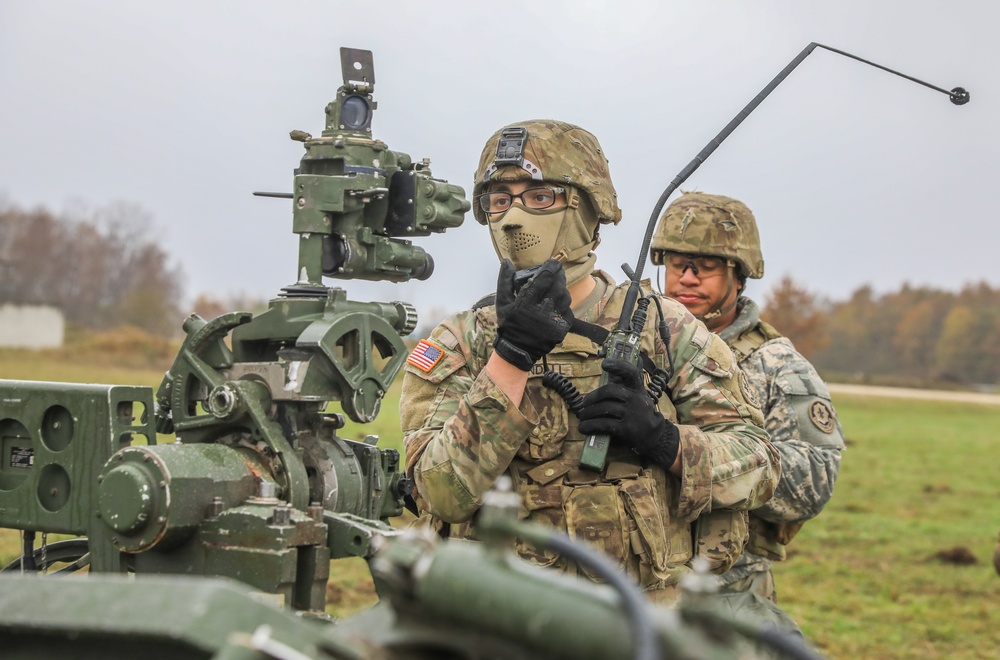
<point x="625" y="513"/>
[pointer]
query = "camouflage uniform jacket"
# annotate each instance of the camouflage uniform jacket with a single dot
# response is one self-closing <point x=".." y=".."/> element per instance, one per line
<point x="462" y="433"/>
<point x="803" y="426"/>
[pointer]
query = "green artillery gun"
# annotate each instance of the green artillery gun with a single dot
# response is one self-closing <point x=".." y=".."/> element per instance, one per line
<point x="258" y="486"/>
<point x="219" y="544"/>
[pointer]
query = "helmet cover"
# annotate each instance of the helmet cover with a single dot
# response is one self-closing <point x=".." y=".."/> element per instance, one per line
<point x="711" y="225"/>
<point x="553" y="151"/>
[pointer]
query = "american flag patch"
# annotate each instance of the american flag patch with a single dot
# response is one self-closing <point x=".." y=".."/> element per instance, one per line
<point x="425" y="356"/>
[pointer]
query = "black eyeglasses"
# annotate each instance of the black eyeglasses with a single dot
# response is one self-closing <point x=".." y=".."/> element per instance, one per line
<point x="533" y="198"/>
<point x="703" y="267"/>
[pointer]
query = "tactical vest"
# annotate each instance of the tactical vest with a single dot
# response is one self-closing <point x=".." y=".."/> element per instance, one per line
<point x="767" y="539"/>
<point x="744" y="345"/>
<point x="629" y="510"/>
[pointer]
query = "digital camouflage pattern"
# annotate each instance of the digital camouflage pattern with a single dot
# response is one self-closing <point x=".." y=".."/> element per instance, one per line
<point x="804" y="429"/>
<point x="712" y="225"/>
<point x="462" y="433"/>
<point x="564" y="154"/>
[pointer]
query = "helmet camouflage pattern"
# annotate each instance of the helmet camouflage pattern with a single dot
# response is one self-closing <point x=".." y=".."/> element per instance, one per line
<point x="712" y="225"/>
<point x="555" y="152"/>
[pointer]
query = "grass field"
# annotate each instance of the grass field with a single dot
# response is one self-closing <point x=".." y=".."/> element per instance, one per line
<point x="864" y="580"/>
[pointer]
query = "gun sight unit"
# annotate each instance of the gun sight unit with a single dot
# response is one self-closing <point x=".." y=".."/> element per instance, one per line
<point x="356" y="203"/>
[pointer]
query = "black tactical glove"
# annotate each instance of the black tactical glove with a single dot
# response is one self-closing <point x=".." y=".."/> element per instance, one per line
<point x="625" y="411"/>
<point x="531" y="322"/>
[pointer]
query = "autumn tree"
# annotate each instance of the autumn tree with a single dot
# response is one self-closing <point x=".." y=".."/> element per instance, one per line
<point x="920" y="314"/>
<point x="858" y="337"/>
<point x="954" y="354"/>
<point x="916" y="332"/>
<point x="796" y="314"/>
<point x="101" y="267"/>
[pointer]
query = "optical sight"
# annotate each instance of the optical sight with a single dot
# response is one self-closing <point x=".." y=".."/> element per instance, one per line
<point x="356" y="202"/>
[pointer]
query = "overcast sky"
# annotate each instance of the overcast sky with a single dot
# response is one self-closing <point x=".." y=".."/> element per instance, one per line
<point x="183" y="108"/>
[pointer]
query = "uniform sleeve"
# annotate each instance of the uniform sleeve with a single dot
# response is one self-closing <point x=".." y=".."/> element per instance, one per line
<point x="804" y="428"/>
<point x="460" y="430"/>
<point x="727" y="460"/>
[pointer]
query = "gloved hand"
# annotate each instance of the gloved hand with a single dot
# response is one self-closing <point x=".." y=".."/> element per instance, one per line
<point x="531" y="322"/>
<point x="625" y="411"/>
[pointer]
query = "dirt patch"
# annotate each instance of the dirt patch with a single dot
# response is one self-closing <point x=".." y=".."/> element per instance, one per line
<point x="959" y="556"/>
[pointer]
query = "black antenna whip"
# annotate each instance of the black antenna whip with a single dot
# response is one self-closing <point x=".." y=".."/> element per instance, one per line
<point x="958" y="96"/>
<point x="623" y="343"/>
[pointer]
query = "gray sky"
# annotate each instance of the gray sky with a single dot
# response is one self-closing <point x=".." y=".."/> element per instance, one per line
<point x="184" y="108"/>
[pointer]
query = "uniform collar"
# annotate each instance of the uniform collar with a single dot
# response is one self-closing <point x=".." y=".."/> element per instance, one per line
<point x="747" y="318"/>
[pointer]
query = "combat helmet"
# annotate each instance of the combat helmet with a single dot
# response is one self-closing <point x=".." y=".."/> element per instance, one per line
<point x="713" y="225"/>
<point x="553" y="151"/>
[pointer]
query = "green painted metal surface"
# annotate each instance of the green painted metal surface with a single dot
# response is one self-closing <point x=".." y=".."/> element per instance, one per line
<point x="152" y="618"/>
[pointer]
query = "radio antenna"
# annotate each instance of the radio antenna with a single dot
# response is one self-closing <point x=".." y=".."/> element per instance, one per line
<point x="958" y="96"/>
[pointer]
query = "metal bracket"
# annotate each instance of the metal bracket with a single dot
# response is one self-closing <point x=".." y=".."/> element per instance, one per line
<point x="358" y="67"/>
<point x="510" y="151"/>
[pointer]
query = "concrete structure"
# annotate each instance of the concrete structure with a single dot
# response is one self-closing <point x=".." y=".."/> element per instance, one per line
<point x="31" y="326"/>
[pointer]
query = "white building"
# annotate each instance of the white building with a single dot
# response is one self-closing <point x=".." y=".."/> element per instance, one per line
<point x="31" y="326"/>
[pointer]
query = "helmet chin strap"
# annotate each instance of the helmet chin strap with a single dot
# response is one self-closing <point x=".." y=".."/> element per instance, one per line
<point x="564" y="254"/>
<point x="580" y="224"/>
<point x="718" y="309"/>
<point x="577" y="270"/>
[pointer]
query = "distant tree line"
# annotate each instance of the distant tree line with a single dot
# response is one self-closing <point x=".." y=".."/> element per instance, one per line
<point x="916" y="333"/>
<point x="103" y="268"/>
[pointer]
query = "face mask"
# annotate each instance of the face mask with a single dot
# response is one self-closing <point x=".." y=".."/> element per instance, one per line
<point x="525" y="236"/>
<point x="528" y="238"/>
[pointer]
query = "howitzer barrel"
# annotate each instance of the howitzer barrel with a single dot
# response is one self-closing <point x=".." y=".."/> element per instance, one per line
<point x="460" y="586"/>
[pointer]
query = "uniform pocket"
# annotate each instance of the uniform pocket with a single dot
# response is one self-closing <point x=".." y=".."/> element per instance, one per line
<point x="543" y="505"/>
<point x="545" y="441"/>
<point x="719" y="537"/>
<point x="596" y="516"/>
<point x="769" y="539"/>
<point x="649" y="541"/>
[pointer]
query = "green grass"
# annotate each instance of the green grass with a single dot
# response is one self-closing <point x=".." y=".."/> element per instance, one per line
<point x="918" y="478"/>
<point x="863" y="581"/>
<point x="23" y="365"/>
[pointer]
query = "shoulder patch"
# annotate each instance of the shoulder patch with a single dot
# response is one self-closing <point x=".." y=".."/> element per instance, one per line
<point x="821" y="416"/>
<point x="425" y="355"/>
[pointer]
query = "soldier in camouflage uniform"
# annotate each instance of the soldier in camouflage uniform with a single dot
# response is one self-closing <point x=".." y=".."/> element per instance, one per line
<point x="680" y="475"/>
<point x="709" y="245"/>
